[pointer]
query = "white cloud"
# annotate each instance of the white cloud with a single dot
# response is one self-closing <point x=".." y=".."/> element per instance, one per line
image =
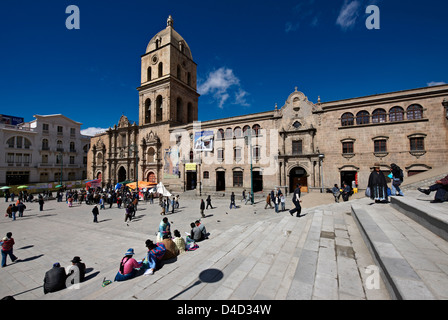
<point x="349" y="14"/>
<point x="223" y="84"/>
<point x="435" y="83"/>
<point x="92" y="131"/>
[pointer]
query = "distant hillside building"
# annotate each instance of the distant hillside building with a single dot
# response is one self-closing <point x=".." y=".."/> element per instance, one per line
<point x="38" y="151"/>
<point x="314" y="144"/>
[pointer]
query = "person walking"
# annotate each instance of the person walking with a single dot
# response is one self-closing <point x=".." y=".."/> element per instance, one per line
<point x="296" y="201"/>
<point x="202" y="208"/>
<point x="7" y="244"/>
<point x="209" y="202"/>
<point x="378" y="185"/>
<point x="95" y="213"/>
<point x="232" y="200"/>
<point x="41" y="203"/>
<point x="282" y="201"/>
<point x="21" y="207"/>
<point x="397" y="180"/>
<point x="268" y="201"/>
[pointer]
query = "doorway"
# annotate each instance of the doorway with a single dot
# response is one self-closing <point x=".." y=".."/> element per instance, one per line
<point x="297" y="176"/>
<point x="220" y="180"/>
<point x="191" y="180"/>
<point x="348" y="177"/>
<point x="121" y="174"/>
<point x="257" y="181"/>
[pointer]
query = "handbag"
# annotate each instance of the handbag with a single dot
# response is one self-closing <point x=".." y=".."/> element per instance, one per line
<point x="368" y="192"/>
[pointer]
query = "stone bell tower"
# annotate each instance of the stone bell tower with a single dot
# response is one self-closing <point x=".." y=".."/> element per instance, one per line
<point x="168" y="90"/>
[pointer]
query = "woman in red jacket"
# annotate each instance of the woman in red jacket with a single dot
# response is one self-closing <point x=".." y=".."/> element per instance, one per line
<point x="7" y="246"/>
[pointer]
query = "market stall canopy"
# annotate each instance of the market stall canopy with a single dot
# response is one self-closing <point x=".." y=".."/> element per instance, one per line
<point x="5" y="188"/>
<point x="22" y="187"/>
<point x="141" y="184"/>
<point x="162" y="190"/>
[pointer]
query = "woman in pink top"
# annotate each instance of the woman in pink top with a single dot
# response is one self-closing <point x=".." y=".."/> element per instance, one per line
<point x="128" y="267"/>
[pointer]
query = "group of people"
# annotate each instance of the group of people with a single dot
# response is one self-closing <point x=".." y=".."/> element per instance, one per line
<point x="346" y="191"/>
<point x="166" y="247"/>
<point x="278" y="199"/>
<point x="57" y="278"/>
<point x="377" y="188"/>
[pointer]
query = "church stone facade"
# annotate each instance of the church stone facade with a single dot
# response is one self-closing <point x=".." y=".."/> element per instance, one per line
<point x="314" y="144"/>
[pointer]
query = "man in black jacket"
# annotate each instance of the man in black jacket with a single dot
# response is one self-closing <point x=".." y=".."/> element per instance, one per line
<point x="55" y="279"/>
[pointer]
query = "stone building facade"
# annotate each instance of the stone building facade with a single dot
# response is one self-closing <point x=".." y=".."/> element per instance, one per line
<point x="314" y="144"/>
<point x="50" y="148"/>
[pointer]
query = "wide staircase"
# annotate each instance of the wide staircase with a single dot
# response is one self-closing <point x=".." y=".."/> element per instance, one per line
<point x="325" y="254"/>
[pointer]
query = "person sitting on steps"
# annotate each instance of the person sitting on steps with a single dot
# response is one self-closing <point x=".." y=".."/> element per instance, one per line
<point x="441" y="188"/>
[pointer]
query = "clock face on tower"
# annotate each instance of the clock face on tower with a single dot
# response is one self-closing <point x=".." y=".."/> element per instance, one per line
<point x="154" y="59"/>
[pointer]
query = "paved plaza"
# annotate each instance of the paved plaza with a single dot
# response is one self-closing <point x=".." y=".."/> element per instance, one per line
<point x="255" y="250"/>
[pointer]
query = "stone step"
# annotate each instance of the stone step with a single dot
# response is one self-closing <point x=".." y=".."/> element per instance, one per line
<point x="413" y="260"/>
<point x="417" y="206"/>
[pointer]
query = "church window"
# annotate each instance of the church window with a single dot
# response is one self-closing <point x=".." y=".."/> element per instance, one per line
<point x="149" y="74"/>
<point x="190" y="112"/>
<point x="347" y="119"/>
<point x="159" y="108"/>
<point x="178" y="72"/>
<point x="160" y="69"/>
<point x="396" y="114"/>
<point x="148" y="111"/>
<point x="379" y="116"/>
<point x="415" y="112"/>
<point x="362" y="117"/>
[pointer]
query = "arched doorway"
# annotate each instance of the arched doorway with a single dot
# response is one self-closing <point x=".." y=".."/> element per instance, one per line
<point x="297" y="175"/>
<point x="121" y="174"/>
<point x="151" y="177"/>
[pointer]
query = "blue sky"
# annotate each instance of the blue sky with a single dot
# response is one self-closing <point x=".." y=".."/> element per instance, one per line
<point x="250" y="54"/>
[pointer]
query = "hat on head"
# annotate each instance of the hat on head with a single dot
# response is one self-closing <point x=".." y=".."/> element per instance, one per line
<point x="76" y="259"/>
<point x="56" y="264"/>
<point x="376" y="165"/>
<point x="130" y="252"/>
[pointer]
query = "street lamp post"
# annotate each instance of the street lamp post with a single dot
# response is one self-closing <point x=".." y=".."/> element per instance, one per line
<point x="248" y="140"/>
<point x="321" y="158"/>
<point x="134" y="148"/>
<point x="61" y="159"/>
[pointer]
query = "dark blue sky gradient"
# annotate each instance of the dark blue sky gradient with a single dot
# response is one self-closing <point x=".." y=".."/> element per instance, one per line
<point x="91" y="75"/>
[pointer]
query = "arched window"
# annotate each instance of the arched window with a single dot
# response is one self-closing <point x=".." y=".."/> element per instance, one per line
<point x="189" y="78"/>
<point x="178" y="72"/>
<point x="379" y="116"/>
<point x="159" y="108"/>
<point x="10" y="142"/>
<point x="45" y="144"/>
<point x="72" y="147"/>
<point x="220" y="134"/>
<point x="347" y="119"/>
<point x="151" y="156"/>
<point x="396" y="114"/>
<point x="160" y="69"/>
<point x="27" y="143"/>
<point x="190" y="112"/>
<point x="237" y="133"/>
<point x="229" y="133"/>
<point x="256" y="130"/>
<point x="59" y="146"/>
<point x="362" y="117"/>
<point x="148" y="111"/>
<point x="246" y="130"/>
<point x="149" y="74"/>
<point x="179" y="110"/>
<point x="415" y="112"/>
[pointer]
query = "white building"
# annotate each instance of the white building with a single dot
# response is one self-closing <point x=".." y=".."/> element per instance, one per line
<point x="40" y="150"/>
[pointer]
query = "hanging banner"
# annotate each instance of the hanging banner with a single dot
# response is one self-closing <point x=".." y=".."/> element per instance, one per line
<point x="203" y="141"/>
<point x="190" y="167"/>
